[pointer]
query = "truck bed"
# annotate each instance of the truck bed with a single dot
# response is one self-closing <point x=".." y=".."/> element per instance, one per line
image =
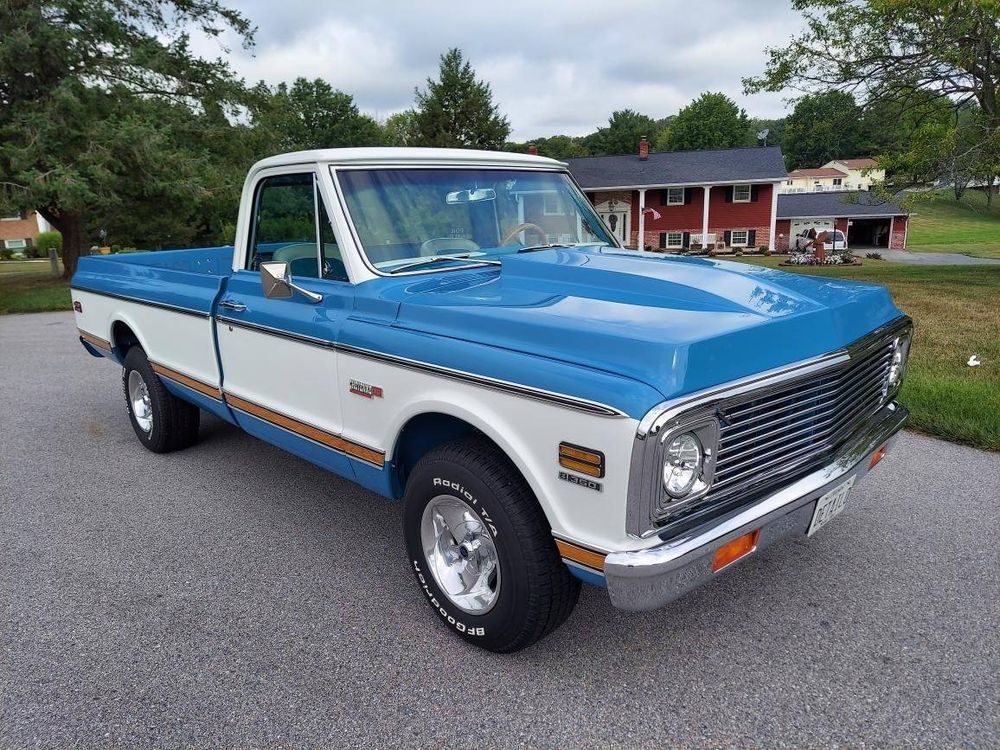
<point x="188" y="280"/>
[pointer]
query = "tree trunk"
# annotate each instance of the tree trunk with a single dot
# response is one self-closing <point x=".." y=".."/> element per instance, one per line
<point x="989" y="190"/>
<point x="72" y="234"/>
<point x="70" y="226"/>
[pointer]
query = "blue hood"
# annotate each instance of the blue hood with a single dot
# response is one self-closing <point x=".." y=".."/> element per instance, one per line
<point x="675" y="324"/>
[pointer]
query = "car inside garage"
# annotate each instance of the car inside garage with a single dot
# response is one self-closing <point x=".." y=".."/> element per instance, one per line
<point x="868" y="233"/>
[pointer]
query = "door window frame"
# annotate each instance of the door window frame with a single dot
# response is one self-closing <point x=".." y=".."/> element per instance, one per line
<point x="253" y="193"/>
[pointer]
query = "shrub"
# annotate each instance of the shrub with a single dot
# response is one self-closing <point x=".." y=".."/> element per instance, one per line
<point x="6" y="254"/>
<point x="874" y="256"/>
<point x="47" y="241"/>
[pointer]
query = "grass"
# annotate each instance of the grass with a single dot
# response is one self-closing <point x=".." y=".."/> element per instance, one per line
<point x="954" y="310"/>
<point x="943" y="224"/>
<point x="28" y="286"/>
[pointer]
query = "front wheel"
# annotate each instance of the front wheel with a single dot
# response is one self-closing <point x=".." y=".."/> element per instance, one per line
<point x="481" y="549"/>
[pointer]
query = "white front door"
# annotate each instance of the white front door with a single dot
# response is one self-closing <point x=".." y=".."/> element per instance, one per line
<point x="617" y="218"/>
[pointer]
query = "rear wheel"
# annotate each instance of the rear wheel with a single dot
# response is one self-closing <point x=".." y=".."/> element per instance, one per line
<point x="161" y="421"/>
<point x="481" y="549"/>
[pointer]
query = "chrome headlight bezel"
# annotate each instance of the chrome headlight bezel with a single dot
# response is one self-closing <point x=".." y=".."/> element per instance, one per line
<point x="897" y="365"/>
<point x="705" y="431"/>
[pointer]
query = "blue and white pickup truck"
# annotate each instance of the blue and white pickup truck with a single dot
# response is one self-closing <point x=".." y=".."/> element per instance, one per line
<point x="459" y="330"/>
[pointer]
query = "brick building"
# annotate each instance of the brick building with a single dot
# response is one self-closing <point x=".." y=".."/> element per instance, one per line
<point x="678" y="198"/>
<point x="19" y="230"/>
<point x="866" y="220"/>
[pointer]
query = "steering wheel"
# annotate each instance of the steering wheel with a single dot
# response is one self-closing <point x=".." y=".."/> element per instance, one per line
<point x="514" y="231"/>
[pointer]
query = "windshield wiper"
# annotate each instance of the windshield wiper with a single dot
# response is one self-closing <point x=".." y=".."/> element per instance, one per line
<point x="437" y="258"/>
<point x="547" y="246"/>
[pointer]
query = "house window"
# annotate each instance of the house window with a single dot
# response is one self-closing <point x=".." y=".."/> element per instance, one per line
<point x="16" y="244"/>
<point x="838" y="181"/>
<point x="551" y="205"/>
<point x="11" y="216"/>
<point x="738" y="238"/>
<point x="671" y="239"/>
<point x="788" y="182"/>
<point x="741" y="193"/>
<point x="675" y="196"/>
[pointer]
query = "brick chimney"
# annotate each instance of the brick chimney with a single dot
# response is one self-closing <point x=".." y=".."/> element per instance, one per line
<point x="643" y="148"/>
<point x="533" y="149"/>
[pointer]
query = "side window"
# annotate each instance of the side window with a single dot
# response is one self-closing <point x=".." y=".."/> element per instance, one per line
<point x="284" y="224"/>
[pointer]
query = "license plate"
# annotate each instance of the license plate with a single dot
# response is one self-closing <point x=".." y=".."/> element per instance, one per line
<point x="830" y="505"/>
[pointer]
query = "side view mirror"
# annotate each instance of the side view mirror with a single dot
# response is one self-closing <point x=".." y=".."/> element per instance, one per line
<point x="276" y="280"/>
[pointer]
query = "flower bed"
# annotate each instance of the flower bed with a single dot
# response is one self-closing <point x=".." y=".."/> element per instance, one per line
<point x="806" y="259"/>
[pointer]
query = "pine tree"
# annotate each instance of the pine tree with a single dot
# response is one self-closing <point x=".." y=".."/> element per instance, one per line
<point x="457" y="110"/>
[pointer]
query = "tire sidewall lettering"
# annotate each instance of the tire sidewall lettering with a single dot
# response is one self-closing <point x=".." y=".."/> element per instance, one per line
<point x="451" y="619"/>
<point x="465" y="494"/>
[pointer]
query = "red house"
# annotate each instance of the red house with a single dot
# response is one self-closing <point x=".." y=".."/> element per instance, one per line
<point x="678" y="198"/>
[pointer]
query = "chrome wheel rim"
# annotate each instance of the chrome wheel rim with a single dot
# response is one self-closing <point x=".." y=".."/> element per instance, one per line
<point x="138" y="396"/>
<point x="460" y="554"/>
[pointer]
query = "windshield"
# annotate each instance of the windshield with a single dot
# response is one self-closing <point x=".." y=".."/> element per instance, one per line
<point x="418" y="219"/>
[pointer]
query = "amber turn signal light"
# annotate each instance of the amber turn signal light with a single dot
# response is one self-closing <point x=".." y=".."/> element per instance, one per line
<point x="732" y="551"/>
<point x="876" y="457"/>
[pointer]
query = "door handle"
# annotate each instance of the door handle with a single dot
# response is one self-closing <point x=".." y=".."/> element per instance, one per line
<point x="230" y="304"/>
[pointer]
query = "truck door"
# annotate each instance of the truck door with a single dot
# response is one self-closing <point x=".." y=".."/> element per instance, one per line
<point x="279" y="362"/>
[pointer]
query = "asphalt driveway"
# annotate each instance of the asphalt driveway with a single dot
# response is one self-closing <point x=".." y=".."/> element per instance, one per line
<point x="235" y="595"/>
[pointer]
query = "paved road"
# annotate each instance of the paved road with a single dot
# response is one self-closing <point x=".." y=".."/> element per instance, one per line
<point x="235" y="595"/>
<point x="932" y="259"/>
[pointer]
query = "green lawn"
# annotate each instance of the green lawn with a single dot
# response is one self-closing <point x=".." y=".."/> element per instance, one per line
<point x="28" y="286"/>
<point x="942" y="224"/>
<point x="956" y="313"/>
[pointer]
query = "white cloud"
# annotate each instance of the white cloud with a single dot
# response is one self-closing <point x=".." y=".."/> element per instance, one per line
<point x="555" y="67"/>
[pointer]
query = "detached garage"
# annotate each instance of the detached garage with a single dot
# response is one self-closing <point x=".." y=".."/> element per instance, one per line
<point x="868" y="222"/>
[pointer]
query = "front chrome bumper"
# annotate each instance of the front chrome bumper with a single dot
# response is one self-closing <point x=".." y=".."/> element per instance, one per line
<point x="649" y="578"/>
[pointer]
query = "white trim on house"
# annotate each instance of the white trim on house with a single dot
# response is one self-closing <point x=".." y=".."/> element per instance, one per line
<point x="774" y="220"/>
<point x="704" y="211"/>
<point x="671" y="201"/>
<point x="700" y="183"/>
<point x="640" y="240"/>
<point x="749" y="196"/>
<point x="733" y="242"/>
<point x="669" y="242"/>
<point x="557" y="211"/>
<point x="843" y="216"/>
<point x="13" y="244"/>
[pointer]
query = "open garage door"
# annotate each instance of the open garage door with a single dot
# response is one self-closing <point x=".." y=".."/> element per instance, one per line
<point x="868" y="233"/>
<point x="800" y="227"/>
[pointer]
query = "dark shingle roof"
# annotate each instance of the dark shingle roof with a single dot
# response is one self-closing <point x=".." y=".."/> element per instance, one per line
<point x="679" y="168"/>
<point x="835" y="204"/>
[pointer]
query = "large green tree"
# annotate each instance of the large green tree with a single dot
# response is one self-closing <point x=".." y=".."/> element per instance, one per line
<point x="80" y="132"/>
<point x="713" y="120"/>
<point x="823" y="127"/>
<point x="622" y="134"/>
<point x="555" y="147"/>
<point x="457" y="109"/>
<point x="400" y="129"/>
<point x="883" y="50"/>
<point x="899" y="55"/>
<point x="311" y="114"/>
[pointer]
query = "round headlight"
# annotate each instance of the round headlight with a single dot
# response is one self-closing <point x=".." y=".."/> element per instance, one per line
<point x="899" y="351"/>
<point x="682" y="464"/>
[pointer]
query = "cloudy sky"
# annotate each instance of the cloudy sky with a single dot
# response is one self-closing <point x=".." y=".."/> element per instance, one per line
<point x="555" y="66"/>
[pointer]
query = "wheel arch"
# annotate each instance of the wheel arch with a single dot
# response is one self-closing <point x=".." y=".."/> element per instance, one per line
<point x="123" y="338"/>
<point x="425" y="428"/>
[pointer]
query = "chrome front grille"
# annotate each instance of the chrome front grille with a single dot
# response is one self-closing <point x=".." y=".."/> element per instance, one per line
<point x="774" y="428"/>
<point x="797" y="426"/>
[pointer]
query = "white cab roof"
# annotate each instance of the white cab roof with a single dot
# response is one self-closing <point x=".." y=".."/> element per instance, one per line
<point x="407" y="156"/>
